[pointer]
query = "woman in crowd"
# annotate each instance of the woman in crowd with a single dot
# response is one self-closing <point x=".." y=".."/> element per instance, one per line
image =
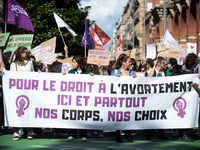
<point x="78" y="65"/>
<point x="190" y="62"/>
<point x="22" y="64"/>
<point x="122" y="68"/>
<point x="133" y="64"/>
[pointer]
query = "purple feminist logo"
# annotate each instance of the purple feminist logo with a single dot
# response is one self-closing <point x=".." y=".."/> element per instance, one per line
<point x="179" y="105"/>
<point x="22" y="103"/>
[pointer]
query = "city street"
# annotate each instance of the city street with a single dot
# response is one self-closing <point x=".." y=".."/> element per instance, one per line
<point x="47" y="141"/>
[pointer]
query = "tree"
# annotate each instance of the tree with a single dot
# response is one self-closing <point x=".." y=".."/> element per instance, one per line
<point x="41" y="15"/>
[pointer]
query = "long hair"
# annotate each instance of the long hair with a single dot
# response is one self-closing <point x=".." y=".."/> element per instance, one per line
<point x="149" y="62"/>
<point x="18" y="58"/>
<point x="173" y="62"/>
<point x="122" y="58"/>
<point x="133" y="61"/>
<point x="80" y="60"/>
<point x="191" y="61"/>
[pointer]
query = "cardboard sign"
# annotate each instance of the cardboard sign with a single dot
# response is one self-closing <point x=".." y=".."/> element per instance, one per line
<point x="36" y="52"/>
<point x="66" y="65"/>
<point x="47" y="57"/>
<point x="16" y="41"/>
<point x="168" y="51"/>
<point x="49" y="46"/>
<point x="3" y="38"/>
<point x="98" y="56"/>
<point x="62" y="66"/>
<point x="184" y="47"/>
<point x="130" y="53"/>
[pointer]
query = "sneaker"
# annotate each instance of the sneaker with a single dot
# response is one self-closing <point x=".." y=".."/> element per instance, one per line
<point x="16" y="136"/>
<point x="70" y="138"/>
<point x="21" y="132"/>
<point x="100" y="135"/>
<point x="83" y="139"/>
<point x="30" y="136"/>
<point x="186" y="138"/>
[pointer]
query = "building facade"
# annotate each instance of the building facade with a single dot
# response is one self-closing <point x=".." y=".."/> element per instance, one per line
<point x="182" y="21"/>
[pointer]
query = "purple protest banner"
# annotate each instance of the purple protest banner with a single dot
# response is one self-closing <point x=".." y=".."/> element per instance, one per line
<point x="16" y="15"/>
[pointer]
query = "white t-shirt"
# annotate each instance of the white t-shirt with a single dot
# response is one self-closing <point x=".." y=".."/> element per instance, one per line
<point x="28" y="67"/>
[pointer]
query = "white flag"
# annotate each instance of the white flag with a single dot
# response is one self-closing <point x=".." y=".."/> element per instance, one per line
<point x="169" y="40"/>
<point x="61" y="24"/>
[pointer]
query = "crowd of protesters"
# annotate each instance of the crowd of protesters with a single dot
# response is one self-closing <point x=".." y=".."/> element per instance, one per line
<point x="22" y="60"/>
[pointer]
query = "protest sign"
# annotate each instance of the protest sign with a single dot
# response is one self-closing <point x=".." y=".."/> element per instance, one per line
<point x="61" y="66"/>
<point x="192" y="48"/>
<point x="3" y="38"/>
<point x="130" y="53"/>
<point x="98" y="56"/>
<point x="16" y="41"/>
<point x="36" y="52"/>
<point x="151" y="51"/>
<point x="184" y="47"/>
<point x="81" y="101"/>
<point x="49" y="46"/>
<point x="47" y="57"/>
<point x="168" y="51"/>
<point x="66" y="65"/>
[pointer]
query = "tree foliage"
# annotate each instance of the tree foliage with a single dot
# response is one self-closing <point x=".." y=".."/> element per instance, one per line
<point x="41" y="15"/>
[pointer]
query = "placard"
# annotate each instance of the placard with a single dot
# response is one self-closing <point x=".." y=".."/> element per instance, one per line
<point x="36" y="52"/>
<point x="98" y="56"/>
<point x="49" y="46"/>
<point x="47" y="57"/>
<point x="151" y="51"/>
<point x="192" y="48"/>
<point x="3" y="38"/>
<point x="16" y="41"/>
<point x="168" y="51"/>
<point x="66" y="65"/>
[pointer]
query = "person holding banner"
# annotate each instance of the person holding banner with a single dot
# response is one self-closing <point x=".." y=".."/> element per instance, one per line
<point x="157" y="71"/>
<point x="78" y="65"/>
<point x="174" y="68"/>
<point x="133" y="64"/>
<point x="22" y="64"/>
<point x="190" y="62"/>
<point x="1" y="93"/>
<point x="148" y="66"/>
<point x="122" y="68"/>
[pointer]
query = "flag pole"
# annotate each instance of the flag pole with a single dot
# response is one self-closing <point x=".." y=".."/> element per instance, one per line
<point x="62" y="38"/>
<point x="5" y="27"/>
<point x="85" y="48"/>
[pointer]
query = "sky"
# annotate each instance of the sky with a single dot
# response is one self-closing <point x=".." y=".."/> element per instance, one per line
<point x="105" y="13"/>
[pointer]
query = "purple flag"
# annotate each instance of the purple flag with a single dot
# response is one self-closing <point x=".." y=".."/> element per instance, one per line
<point x="16" y="15"/>
<point x="87" y="38"/>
